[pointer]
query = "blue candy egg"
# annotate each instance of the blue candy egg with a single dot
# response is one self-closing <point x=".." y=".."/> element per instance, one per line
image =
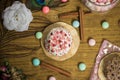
<point x="75" y="23"/>
<point x="36" y="62"/>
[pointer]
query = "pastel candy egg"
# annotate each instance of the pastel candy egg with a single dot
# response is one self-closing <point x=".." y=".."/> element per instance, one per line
<point x="45" y="9"/>
<point x="38" y="35"/>
<point x="52" y="78"/>
<point x="82" y="66"/>
<point x="92" y="42"/>
<point x="105" y="25"/>
<point x="75" y="23"/>
<point x="36" y="62"/>
<point x="64" y="0"/>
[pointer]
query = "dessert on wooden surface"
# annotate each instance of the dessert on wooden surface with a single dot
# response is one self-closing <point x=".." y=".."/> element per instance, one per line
<point x="60" y="41"/>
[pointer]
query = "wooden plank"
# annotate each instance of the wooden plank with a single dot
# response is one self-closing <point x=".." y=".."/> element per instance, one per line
<point x="85" y="53"/>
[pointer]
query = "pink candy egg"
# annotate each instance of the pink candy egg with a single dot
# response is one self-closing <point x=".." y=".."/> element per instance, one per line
<point x="64" y="0"/>
<point x="91" y="42"/>
<point x="52" y="78"/>
<point x="45" y="9"/>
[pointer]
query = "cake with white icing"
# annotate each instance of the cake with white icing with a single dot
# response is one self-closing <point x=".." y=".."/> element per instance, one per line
<point x="58" y="41"/>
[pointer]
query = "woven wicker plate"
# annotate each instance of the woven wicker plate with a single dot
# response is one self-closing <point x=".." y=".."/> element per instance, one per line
<point x="74" y="46"/>
<point x="103" y="64"/>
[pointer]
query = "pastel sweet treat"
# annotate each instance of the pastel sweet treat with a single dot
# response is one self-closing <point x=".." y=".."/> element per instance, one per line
<point x="52" y="78"/>
<point x="105" y="25"/>
<point x="36" y="62"/>
<point x="82" y="66"/>
<point x="64" y="0"/>
<point x="110" y="67"/>
<point x="75" y="23"/>
<point x="45" y="9"/>
<point x="91" y="42"/>
<point x="60" y="41"/>
<point x="38" y="35"/>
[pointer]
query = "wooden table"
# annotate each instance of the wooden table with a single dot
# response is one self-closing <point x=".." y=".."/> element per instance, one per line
<point x="85" y="53"/>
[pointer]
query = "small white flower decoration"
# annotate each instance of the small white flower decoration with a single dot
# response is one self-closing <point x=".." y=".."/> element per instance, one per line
<point x="105" y="51"/>
<point x="17" y="17"/>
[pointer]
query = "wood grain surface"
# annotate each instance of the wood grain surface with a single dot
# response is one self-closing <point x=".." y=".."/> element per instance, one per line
<point x="85" y="53"/>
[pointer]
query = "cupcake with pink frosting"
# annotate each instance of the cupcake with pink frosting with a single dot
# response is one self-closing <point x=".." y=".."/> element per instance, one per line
<point x="58" y="41"/>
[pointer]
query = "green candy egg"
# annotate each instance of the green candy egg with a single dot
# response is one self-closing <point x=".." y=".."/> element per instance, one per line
<point x="38" y="35"/>
<point x="82" y="66"/>
<point x="105" y="25"/>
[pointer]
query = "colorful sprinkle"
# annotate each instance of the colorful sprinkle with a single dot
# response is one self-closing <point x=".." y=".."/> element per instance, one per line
<point x="38" y="35"/>
<point x="75" y="23"/>
<point x="105" y="25"/>
<point x="92" y="42"/>
<point x="82" y="66"/>
<point x="36" y="62"/>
